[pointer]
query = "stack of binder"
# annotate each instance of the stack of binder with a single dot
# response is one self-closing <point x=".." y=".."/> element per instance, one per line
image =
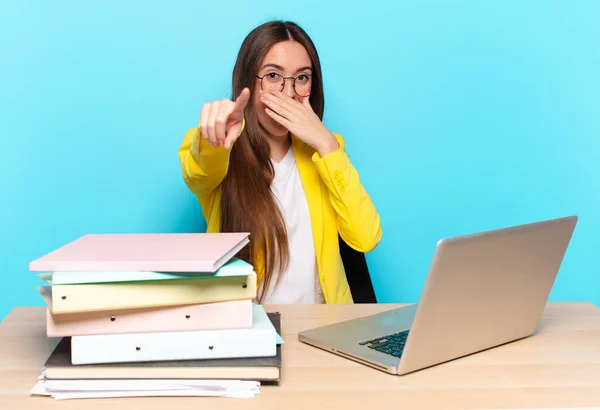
<point x="156" y="306"/>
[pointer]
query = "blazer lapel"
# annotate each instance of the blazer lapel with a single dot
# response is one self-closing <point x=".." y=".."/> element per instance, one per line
<point x="311" y="182"/>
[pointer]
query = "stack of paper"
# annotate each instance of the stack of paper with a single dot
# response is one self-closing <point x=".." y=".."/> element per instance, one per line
<point x="155" y="300"/>
<point x="86" y="389"/>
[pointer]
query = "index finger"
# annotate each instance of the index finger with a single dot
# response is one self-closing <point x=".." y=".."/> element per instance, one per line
<point x="280" y="95"/>
<point x="242" y="100"/>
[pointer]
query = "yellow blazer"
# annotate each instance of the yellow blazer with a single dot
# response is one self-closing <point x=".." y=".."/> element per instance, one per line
<point x="337" y="202"/>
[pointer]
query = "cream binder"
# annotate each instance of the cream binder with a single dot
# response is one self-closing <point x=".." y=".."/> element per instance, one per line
<point x="131" y="295"/>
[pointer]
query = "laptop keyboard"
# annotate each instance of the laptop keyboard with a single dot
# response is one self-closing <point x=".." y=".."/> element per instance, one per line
<point x="391" y="344"/>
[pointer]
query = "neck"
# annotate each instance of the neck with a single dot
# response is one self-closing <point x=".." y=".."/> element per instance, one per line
<point x="279" y="146"/>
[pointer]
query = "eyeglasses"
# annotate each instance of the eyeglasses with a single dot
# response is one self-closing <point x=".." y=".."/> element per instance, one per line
<point x="273" y="81"/>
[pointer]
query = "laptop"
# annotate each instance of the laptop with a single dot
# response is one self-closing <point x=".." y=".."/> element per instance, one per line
<point x="482" y="290"/>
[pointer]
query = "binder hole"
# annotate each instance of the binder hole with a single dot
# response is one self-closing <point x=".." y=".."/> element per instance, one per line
<point x="138" y="348"/>
<point x="210" y="347"/>
<point x="112" y="318"/>
<point x="187" y="316"/>
<point x="63" y="297"/>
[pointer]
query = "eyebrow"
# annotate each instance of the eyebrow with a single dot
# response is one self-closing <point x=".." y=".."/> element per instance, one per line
<point x="280" y="68"/>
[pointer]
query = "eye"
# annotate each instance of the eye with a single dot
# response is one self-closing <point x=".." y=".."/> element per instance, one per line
<point x="272" y="76"/>
<point x="303" y="78"/>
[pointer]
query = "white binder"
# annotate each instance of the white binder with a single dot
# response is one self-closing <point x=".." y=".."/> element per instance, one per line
<point x="258" y="341"/>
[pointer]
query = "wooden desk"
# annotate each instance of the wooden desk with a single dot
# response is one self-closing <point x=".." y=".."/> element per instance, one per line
<point x="559" y="367"/>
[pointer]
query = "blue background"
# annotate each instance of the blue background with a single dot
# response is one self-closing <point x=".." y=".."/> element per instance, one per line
<point x="460" y="116"/>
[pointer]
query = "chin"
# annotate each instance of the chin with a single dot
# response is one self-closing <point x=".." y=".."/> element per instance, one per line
<point x="273" y="128"/>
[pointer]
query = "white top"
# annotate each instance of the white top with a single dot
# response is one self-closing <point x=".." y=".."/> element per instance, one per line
<point x="300" y="282"/>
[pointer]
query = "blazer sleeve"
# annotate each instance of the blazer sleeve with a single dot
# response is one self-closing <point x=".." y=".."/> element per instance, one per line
<point x="358" y="222"/>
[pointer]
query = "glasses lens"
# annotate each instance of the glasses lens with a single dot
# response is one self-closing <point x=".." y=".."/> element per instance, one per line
<point x="303" y="85"/>
<point x="272" y="81"/>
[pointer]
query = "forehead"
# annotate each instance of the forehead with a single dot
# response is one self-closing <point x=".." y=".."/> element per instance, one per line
<point x="290" y="55"/>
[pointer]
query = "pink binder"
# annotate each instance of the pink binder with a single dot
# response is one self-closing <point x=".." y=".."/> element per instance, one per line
<point x="171" y="252"/>
<point x="235" y="314"/>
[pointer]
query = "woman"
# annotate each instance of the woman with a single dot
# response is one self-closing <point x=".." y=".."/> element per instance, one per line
<point x="266" y="164"/>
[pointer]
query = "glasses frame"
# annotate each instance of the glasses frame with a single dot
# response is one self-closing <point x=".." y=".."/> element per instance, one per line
<point x="310" y="76"/>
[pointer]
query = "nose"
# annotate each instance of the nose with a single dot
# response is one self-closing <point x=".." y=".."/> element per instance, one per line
<point x="288" y="87"/>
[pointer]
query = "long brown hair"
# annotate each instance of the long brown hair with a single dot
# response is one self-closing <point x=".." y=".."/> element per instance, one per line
<point x="247" y="204"/>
